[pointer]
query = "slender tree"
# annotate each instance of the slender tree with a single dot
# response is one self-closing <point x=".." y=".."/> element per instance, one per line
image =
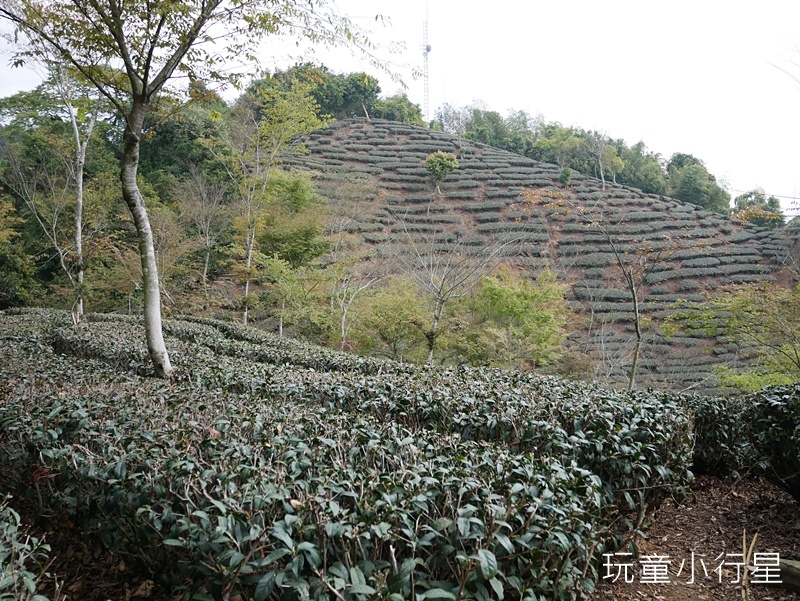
<point x="147" y="43"/>
<point x="634" y="260"/>
<point x="439" y="165"/>
<point x="443" y="273"/>
<point x="57" y="177"/>
<point x="265" y="124"/>
<point x="203" y="207"/>
<point x="69" y="91"/>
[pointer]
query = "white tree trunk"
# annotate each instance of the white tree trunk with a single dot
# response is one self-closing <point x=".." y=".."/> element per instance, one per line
<point x="133" y="198"/>
<point x="251" y="240"/>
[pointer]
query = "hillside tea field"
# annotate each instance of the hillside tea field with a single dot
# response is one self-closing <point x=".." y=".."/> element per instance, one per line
<point x="678" y="250"/>
<point x="271" y="469"/>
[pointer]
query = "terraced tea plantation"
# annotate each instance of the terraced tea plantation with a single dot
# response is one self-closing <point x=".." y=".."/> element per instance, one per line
<point x="498" y="199"/>
<point x="272" y="469"/>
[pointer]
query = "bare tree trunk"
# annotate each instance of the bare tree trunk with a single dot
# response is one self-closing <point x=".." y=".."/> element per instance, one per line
<point x="205" y="269"/>
<point x="81" y="145"/>
<point x="432" y="334"/>
<point x="637" y="324"/>
<point x="133" y="198"/>
<point x="81" y="268"/>
<point x="602" y="173"/>
<point x="248" y="261"/>
<point x="342" y="327"/>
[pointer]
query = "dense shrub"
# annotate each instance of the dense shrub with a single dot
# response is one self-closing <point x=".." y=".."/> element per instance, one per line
<point x="272" y="468"/>
<point x="759" y="433"/>
<point x="776" y="435"/>
<point x="22" y="558"/>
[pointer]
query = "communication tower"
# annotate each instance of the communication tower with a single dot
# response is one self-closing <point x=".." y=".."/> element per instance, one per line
<point x="426" y="50"/>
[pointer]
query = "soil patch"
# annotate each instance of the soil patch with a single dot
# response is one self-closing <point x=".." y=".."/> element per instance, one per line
<point x="705" y="532"/>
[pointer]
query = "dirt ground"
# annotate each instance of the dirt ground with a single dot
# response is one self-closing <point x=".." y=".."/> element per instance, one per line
<point x="710" y="524"/>
<point x="706" y="531"/>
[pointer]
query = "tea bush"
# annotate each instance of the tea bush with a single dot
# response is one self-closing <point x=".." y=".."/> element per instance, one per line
<point x="22" y="558"/>
<point x="281" y="498"/>
<point x="776" y="435"/>
<point x="461" y="195"/>
<point x="275" y="469"/>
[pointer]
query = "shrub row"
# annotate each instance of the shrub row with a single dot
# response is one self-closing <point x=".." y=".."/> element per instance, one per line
<point x="758" y="433"/>
<point x="269" y="501"/>
<point x="511" y="226"/>
<point x="494" y="405"/>
<point x="200" y="483"/>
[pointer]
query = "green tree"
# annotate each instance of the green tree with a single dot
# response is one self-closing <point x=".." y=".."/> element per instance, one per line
<point x="262" y="128"/>
<point x="559" y="145"/>
<point x="359" y="95"/>
<point x="18" y="285"/>
<point x="488" y="127"/>
<point x="756" y="208"/>
<point x="690" y="181"/>
<point x="56" y="121"/>
<point x="444" y="274"/>
<point x="385" y="322"/>
<point x="295" y="221"/>
<point x="439" y="165"/>
<point x="517" y="322"/>
<point x="603" y="156"/>
<point x="340" y="95"/>
<point x="149" y="42"/>
<point x="523" y="131"/>
<point x="642" y="169"/>
<point x="176" y="140"/>
<point x="8" y="221"/>
<point x="398" y="108"/>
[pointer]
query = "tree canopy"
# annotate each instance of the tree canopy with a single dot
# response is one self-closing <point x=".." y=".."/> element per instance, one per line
<point x="589" y="152"/>
<point x="755" y="207"/>
<point x="132" y="51"/>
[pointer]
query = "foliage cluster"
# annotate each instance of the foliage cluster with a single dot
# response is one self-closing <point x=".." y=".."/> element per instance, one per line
<point x="439" y="165"/>
<point x="255" y="473"/>
<point x="594" y="153"/>
<point x="758" y="433"/>
<point x="345" y="95"/>
<point x="22" y="558"/>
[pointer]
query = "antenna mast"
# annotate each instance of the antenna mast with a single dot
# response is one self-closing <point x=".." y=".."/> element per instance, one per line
<point x="426" y="49"/>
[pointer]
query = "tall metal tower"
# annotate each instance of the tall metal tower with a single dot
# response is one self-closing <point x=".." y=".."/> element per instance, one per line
<point x="426" y="49"/>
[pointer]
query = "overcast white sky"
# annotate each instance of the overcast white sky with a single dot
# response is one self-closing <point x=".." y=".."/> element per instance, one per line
<point x="693" y="76"/>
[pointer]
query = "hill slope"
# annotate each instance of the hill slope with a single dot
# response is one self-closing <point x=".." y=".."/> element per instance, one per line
<point x="587" y="234"/>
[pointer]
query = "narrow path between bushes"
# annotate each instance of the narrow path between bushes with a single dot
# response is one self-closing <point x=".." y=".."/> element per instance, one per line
<point x="709" y="523"/>
<point x="706" y="531"/>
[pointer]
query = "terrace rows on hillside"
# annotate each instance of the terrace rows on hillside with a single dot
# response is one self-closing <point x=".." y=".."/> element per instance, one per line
<point x="679" y="251"/>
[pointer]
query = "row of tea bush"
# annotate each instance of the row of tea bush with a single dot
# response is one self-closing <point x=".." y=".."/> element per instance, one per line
<point x="274" y="469"/>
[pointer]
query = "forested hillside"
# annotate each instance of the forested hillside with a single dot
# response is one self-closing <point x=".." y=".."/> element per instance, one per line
<point x="344" y="233"/>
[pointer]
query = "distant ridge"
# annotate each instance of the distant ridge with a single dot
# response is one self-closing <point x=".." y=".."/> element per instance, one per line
<point x="691" y="251"/>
